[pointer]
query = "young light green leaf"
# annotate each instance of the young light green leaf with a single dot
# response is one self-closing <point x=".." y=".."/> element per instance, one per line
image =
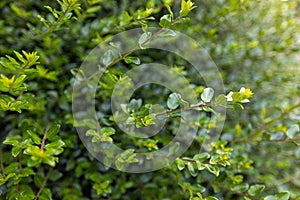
<point x="186" y="7"/>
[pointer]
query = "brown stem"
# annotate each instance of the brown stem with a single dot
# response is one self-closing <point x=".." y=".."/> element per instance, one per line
<point x="22" y="68"/>
<point x="44" y="138"/>
<point x="192" y="160"/>
<point x="43" y="184"/>
<point x="185" y="109"/>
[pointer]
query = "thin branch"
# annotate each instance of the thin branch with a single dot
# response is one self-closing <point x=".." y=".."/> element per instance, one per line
<point x="134" y="49"/>
<point x="132" y="22"/>
<point x="44" y="138"/>
<point x="56" y="23"/>
<point x="43" y="184"/>
<point x="185" y="109"/>
<point x="22" y="68"/>
<point x="286" y="112"/>
<point x="192" y="160"/>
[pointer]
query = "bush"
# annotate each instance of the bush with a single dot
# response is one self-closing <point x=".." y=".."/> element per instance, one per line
<point x="48" y="87"/>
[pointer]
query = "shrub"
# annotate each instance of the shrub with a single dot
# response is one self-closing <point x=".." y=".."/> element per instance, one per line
<point x="254" y="44"/>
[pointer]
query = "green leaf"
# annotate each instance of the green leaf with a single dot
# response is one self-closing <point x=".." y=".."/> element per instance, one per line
<point x="16" y="151"/>
<point x="25" y="192"/>
<point x="54" y="12"/>
<point x="52" y="132"/>
<point x="180" y="164"/>
<point x="174" y="148"/>
<point x="145" y="110"/>
<point x="102" y="188"/>
<point x="45" y="74"/>
<point x="124" y="18"/>
<point x="36" y="139"/>
<point x="270" y="197"/>
<point x="38" y="179"/>
<point x="35" y="151"/>
<point x="213" y="169"/>
<point x="283" y="196"/>
<point x="5" y="83"/>
<point x="254" y="190"/>
<point x="207" y="94"/>
<point x="165" y="21"/>
<point x="173" y="101"/>
<point x="107" y="131"/>
<point x="211" y="198"/>
<point x="46" y="194"/>
<point x="200" y="165"/>
<point x="134" y="60"/>
<point x="50" y="161"/>
<point x="192" y="169"/>
<point x="13" y="140"/>
<point x="54" y="148"/>
<point x="292" y="131"/>
<point x="20" y="57"/>
<point x="55" y="175"/>
<point x="186" y="7"/>
<point x="27" y="172"/>
<point x="93" y="9"/>
<point x="168" y="4"/>
<point x="221" y="99"/>
<point x="240" y="188"/>
<point x="144" y="39"/>
<point x="134" y="105"/>
<point x="201" y="156"/>
<point x="126" y="153"/>
<point x="108" y="57"/>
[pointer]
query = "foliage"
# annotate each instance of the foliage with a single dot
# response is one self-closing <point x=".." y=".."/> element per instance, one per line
<point x="254" y="44"/>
